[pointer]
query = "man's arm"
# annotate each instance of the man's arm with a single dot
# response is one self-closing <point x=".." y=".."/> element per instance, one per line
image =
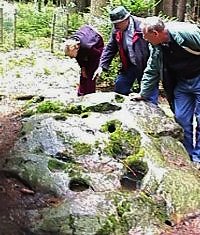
<point x="107" y="56"/>
<point x="108" y="53"/>
<point x="152" y="73"/>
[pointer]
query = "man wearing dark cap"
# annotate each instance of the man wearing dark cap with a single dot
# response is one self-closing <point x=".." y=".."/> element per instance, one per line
<point x="127" y="39"/>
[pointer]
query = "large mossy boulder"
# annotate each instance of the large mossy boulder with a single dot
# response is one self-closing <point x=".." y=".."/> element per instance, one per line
<point x="118" y="165"/>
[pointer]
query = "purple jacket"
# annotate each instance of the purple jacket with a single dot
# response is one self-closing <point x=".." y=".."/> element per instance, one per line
<point x="91" y="46"/>
<point x="140" y="48"/>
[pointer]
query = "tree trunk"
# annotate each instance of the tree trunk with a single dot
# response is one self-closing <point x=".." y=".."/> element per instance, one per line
<point x="97" y="7"/>
<point x="181" y="9"/>
<point x="82" y="5"/>
<point x="158" y="7"/>
<point x="196" y="11"/>
<point x="168" y="7"/>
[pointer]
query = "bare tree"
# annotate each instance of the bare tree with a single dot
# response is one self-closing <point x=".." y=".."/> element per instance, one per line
<point x="82" y="5"/>
<point x="181" y="9"/>
<point x="168" y="7"/>
<point x="196" y="11"/>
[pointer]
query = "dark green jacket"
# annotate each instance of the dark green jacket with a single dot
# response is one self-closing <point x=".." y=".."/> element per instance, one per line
<point x="187" y="36"/>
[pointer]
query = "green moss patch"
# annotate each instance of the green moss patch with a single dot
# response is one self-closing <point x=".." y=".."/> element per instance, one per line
<point x="110" y="227"/>
<point x="54" y="164"/>
<point x="119" y="98"/>
<point x="74" y="109"/>
<point x="49" y="107"/>
<point x="121" y="142"/>
<point x="34" y="106"/>
<point x="81" y="148"/>
<point x="103" y="107"/>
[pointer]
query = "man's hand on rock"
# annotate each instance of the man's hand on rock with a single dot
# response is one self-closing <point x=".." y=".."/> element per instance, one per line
<point x="136" y="97"/>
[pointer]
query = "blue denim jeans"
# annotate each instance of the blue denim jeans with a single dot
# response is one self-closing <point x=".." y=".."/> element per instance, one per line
<point x="187" y="107"/>
<point x="125" y="80"/>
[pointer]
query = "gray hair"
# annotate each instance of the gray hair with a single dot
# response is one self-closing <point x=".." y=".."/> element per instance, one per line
<point x="67" y="44"/>
<point x="153" y="23"/>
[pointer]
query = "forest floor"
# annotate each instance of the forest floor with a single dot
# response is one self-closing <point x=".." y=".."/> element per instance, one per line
<point x="14" y="193"/>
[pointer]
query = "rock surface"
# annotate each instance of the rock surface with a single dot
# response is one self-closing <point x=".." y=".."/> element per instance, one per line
<point x="117" y="166"/>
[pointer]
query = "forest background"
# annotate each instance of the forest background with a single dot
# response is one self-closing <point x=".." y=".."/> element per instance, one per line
<point x="45" y="23"/>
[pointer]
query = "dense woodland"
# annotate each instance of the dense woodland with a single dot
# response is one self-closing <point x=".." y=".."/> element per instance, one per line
<point x="172" y="8"/>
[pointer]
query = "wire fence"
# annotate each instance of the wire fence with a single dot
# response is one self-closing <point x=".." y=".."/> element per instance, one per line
<point x="59" y="25"/>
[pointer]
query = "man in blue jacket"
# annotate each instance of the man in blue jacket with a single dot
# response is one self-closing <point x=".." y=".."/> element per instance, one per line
<point x="175" y="58"/>
<point x="127" y="39"/>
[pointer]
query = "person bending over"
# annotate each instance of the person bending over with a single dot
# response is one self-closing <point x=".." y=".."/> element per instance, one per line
<point x="86" y="45"/>
<point x="175" y="57"/>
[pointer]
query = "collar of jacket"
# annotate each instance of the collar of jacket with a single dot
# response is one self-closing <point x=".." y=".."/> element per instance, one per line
<point x="177" y="29"/>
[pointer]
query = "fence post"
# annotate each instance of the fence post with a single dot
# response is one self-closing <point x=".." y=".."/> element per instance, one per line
<point x="53" y="32"/>
<point x="1" y="25"/>
<point x="15" y="29"/>
<point x="67" y="24"/>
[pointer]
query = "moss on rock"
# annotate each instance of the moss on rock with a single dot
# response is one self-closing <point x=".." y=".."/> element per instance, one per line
<point x="134" y="159"/>
<point x="102" y="107"/>
<point x="133" y="210"/>
<point x="119" y="98"/>
<point x="80" y="149"/>
<point x="74" y="109"/>
<point x="54" y="164"/>
<point x="176" y="185"/>
<point x="121" y="142"/>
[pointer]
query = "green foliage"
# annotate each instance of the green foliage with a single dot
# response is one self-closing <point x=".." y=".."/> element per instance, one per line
<point x="32" y="25"/>
<point x="133" y="159"/>
<point x="75" y="22"/>
<point x="32" y="107"/>
<point x="123" y="206"/>
<point x="75" y="171"/>
<point x="1" y="70"/>
<point x="23" y="40"/>
<point x="36" y="105"/>
<point x="111" y="75"/>
<point x="32" y="22"/>
<point x="136" y="7"/>
<point x="111" y="125"/>
<point x="74" y="109"/>
<point x="122" y="143"/>
<point x="47" y="71"/>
